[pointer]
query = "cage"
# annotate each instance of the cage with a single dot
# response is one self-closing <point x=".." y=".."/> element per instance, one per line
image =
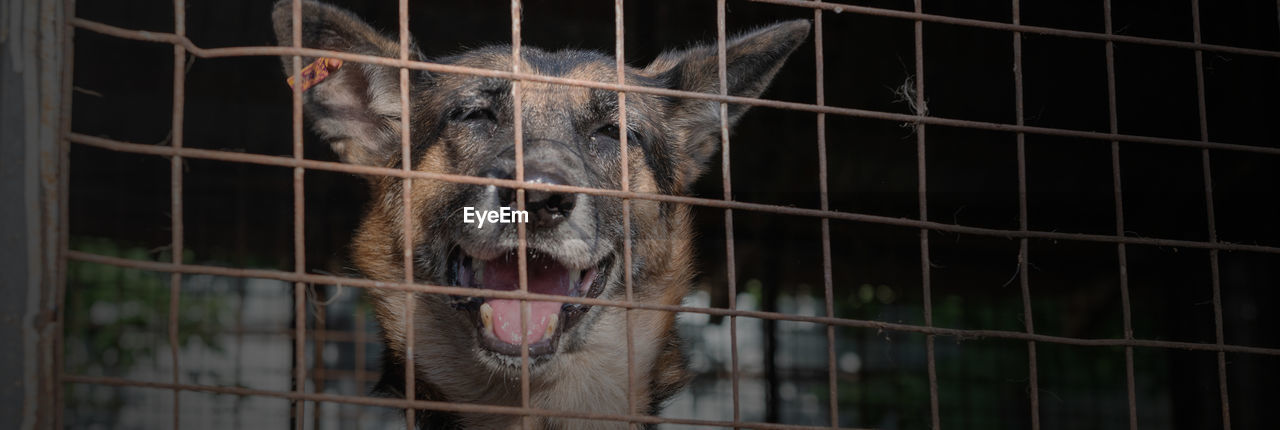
<point x="940" y="215"/>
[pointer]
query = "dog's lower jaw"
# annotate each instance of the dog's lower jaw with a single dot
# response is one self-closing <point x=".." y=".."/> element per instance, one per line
<point x="590" y="379"/>
<point x="577" y="383"/>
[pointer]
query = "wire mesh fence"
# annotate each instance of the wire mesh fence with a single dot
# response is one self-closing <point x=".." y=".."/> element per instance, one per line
<point x="922" y="122"/>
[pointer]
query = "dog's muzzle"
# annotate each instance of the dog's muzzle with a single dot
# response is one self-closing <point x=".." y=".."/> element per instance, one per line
<point x="489" y="259"/>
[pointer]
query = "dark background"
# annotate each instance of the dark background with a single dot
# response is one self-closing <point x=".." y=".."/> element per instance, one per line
<point x="240" y="215"/>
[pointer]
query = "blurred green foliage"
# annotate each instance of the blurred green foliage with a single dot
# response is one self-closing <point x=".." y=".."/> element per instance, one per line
<point x="117" y="318"/>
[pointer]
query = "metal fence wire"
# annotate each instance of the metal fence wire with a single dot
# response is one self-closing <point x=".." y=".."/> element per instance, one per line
<point x="299" y="395"/>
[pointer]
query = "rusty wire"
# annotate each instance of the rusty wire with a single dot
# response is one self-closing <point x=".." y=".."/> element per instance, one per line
<point x="625" y="185"/>
<point x="522" y="260"/>
<point x="428" y="404"/>
<point x="828" y="287"/>
<point x="175" y="192"/>
<point x="63" y="232"/>
<point x="919" y="16"/>
<point x="299" y="229"/>
<point x="1209" y="216"/>
<point x="319" y="374"/>
<point x="407" y="228"/>
<point x="271" y="160"/>
<point x="157" y="266"/>
<point x="1024" y="257"/>
<point x="1122" y="257"/>
<point x="272" y="51"/>
<point x="360" y="343"/>
<point x="923" y="202"/>
<point x="731" y="270"/>
<point x="409" y="286"/>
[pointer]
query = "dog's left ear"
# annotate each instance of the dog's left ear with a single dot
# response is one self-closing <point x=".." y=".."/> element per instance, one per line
<point x="751" y="61"/>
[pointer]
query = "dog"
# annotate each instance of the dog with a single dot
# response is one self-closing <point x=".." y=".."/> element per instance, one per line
<point x="468" y="349"/>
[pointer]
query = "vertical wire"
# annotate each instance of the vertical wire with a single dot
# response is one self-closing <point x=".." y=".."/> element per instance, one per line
<point x="924" y="216"/>
<point x="1023" y="247"/>
<point x="620" y="56"/>
<point x="833" y="405"/>
<point x="299" y="228"/>
<point x="64" y="219"/>
<point x="408" y="225"/>
<point x="1121" y="252"/>
<point x="238" y="357"/>
<point x="360" y="347"/>
<point x="318" y="376"/>
<point x="522" y="244"/>
<point x="731" y="273"/>
<point x="1209" y="212"/>
<point x="176" y="190"/>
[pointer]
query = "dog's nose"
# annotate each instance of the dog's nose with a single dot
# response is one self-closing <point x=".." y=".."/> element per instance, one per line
<point x="547" y="209"/>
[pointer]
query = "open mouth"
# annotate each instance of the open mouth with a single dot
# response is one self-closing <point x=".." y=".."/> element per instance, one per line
<point x="499" y="321"/>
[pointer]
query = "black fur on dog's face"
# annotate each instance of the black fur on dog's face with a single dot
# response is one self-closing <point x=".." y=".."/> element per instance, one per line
<point x="462" y="124"/>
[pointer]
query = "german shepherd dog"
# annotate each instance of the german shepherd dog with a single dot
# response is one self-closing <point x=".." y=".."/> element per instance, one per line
<point x="468" y="349"/>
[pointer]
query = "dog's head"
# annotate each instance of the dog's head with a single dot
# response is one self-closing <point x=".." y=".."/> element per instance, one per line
<point x="464" y="124"/>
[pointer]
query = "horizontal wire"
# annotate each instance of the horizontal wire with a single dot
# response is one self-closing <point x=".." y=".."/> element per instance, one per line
<point x="157" y="266"/>
<point x="400" y="403"/>
<point x="1047" y="31"/>
<point x="272" y="160"/>
<point x="241" y="51"/>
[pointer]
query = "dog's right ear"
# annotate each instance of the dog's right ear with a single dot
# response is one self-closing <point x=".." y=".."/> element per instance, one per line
<point x="356" y="110"/>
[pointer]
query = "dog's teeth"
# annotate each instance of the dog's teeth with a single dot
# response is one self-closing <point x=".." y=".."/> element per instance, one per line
<point x="477" y="272"/>
<point x="486" y="316"/>
<point x="576" y="278"/>
<point x="584" y="285"/>
<point x="551" y="327"/>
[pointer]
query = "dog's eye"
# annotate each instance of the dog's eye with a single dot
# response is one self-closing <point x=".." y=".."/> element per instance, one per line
<point x="476" y="114"/>
<point x="609" y="131"/>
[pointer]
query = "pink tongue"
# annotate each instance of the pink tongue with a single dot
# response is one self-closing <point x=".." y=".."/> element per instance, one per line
<point x="546" y="276"/>
<point x="506" y="319"/>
